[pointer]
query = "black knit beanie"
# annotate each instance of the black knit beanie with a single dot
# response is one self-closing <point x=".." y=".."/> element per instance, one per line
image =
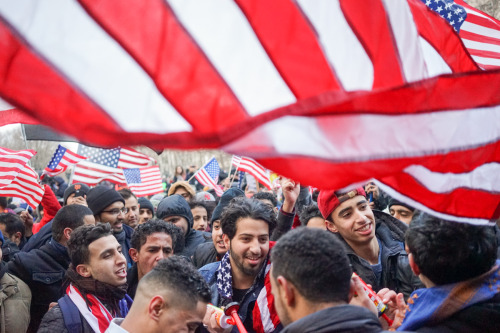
<point x="101" y="197"/>
<point x="75" y="188"/>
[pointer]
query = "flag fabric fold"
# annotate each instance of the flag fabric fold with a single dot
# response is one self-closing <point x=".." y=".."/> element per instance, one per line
<point x="11" y="163"/>
<point x="208" y="175"/>
<point x="333" y="93"/>
<point x="62" y="159"/>
<point x="25" y="186"/>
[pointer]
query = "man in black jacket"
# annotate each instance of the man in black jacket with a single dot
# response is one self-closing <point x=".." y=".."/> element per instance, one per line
<point x="319" y="304"/>
<point x="175" y="209"/>
<point x="151" y="242"/>
<point x="43" y="269"/>
<point x="374" y="240"/>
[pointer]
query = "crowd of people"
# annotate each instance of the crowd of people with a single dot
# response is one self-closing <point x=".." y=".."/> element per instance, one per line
<point x="103" y="260"/>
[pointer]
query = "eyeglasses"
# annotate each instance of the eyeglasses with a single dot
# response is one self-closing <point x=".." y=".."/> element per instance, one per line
<point x="116" y="211"/>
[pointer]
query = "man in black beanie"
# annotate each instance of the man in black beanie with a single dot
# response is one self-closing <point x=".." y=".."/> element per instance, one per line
<point x="146" y="210"/>
<point x="108" y="206"/>
<point x="175" y="209"/>
<point x="76" y="194"/>
<point x="401" y="211"/>
<point x="207" y="253"/>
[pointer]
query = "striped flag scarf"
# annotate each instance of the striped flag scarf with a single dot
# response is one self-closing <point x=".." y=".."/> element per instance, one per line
<point x="265" y="317"/>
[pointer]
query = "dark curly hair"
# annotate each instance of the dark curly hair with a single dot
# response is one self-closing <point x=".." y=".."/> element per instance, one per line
<point x="178" y="276"/>
<point x="305" y="250"/>
<point x="12" y="224"/>
<point x="449" y="252"/>
<point x="81" y="237"/>
<point x="266" y="196"/>
<point x="308" y="213"/>
<point x="142" y="231"/>
<point x="241" y="207"/>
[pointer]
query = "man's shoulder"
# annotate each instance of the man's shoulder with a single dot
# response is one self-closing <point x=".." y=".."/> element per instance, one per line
<point x="53" y="321"/>
<point x="208" y="271"/>
<point x="128" y="230"/>
<point x="115" y="326"/>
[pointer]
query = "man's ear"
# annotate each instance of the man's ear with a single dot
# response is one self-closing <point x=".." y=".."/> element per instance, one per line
<point x="134" y="254"/>
<point x="67" y="233"/>
<point x="331" y="226"/>
<point x="83" y="270"/>
<point x="156" y="306"/>
<point x="97" y="218"/>
<point x="16" y="237"/>
<point x="226" y="240"/>
<point x="413" y="265"/>
<point x="288" y="291"/>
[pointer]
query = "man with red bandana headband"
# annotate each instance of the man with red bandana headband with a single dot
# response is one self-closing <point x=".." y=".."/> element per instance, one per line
<point x="374" y="240"/>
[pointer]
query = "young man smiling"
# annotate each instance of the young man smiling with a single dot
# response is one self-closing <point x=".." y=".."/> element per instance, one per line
<point x="240" y="276"/>
<point x="373" y="239"/>
<point x="98" y="283"/>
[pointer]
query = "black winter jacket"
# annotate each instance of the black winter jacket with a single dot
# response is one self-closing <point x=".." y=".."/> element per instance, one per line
<point x="205" y="254"/>
<point x="396" y="271"/>
<point x="132" y="280"/>
<point x="39" y="239"/>
<point x="43" y="271"/>
<point x="342" y="318"/>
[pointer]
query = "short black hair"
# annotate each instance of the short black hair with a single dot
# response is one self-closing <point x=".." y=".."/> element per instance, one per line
<point x="266" y="196"/>
<point x="142" y="231"/>
<point x="241" y="207"/>
<point x="3" y="202"/>
<point x="304" y="250"/>
<point x="81" y="238"/>
<point x="177" y="275"/>
<point x="198" y="203"/>
<point x="12" y="224"/>
<point x="69" y="217"/>
<point x="449" y="252"/>
<point x="126" y="193"/>
<point x="309" y="212"/>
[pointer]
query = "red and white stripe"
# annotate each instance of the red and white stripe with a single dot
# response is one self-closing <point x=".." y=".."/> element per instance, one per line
<point x="204" y="178"/>
<point x="11" y="163"/>
<point x="261" y="174"/>
<point x="10" y="115"/>
<point x="150" y="182"/>
<point x="130" y="159"/>
<point x="25" y="186"/>
<point x="96" y="315"/>
<point x="92" y="174"/>
<point x="328" y="93"/>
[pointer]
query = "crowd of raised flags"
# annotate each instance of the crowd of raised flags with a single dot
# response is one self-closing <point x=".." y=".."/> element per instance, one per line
<point x="124" y="167"/>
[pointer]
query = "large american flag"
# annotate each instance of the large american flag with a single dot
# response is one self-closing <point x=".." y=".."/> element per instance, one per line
<point x="62" y="159"/>
<point x="261" y="174"/>
<point x="107" y="164"/>
<point x="17" y="178"/>
<point x="208" y="175"/>
<point x="144" y="181"/>
<point x="328" y="93"/>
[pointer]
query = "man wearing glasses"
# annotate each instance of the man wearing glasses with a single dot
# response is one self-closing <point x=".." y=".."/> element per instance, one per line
<point x="108" y="206"/>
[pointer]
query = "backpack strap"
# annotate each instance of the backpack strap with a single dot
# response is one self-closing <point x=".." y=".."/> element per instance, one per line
<point x="71" y="314"/>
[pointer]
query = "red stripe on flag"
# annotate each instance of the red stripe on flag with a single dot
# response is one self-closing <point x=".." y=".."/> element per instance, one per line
<point x="16" y="116"/>
<point x="371" y="25"/>
<point x="167" y="55"/>
<point x="478" y="38"/>
<point x="285" y="44"/>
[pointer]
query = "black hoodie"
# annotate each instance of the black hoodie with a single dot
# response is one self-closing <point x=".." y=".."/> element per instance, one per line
<point x="176" y="205"/>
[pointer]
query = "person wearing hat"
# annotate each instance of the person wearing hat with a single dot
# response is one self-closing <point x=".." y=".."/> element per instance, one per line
<point x="374" y="240"/>
<point x="401" y="211"/>
<point x="175" y="209"/>
<point x="207" y="253"/>
<point x="108" y="206"/>
<point x="146" y="210"/>
<point x="182" y="188"/>
<point x="76" y="194"/>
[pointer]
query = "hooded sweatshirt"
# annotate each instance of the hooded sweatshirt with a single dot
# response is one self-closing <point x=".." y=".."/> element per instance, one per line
<point x="176" y="205"/>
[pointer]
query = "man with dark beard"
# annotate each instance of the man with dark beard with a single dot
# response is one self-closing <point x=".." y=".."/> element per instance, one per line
<point x="97" y="284"/>
<point x="240" y="276"/>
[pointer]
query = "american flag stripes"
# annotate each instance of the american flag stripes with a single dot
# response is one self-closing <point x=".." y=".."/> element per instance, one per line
<point x="144" y="181"/>
<point x="62" y="159"/>
<point x="208" y="175"/>
<point x="107" y="164"/>
<point x="479" y="31"/>
<point x="328" y="93"/>
<point x="17" y="178"/>
<point x="252" y="167"/>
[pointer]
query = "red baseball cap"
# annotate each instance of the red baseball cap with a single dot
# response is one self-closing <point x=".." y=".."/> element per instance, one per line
<point x="328" y="200"/>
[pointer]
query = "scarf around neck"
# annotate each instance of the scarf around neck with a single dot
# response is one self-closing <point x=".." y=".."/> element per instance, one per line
<point x="432" y="305"/>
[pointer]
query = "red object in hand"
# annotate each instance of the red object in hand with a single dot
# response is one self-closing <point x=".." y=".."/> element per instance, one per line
<point x="232" y="310"/>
